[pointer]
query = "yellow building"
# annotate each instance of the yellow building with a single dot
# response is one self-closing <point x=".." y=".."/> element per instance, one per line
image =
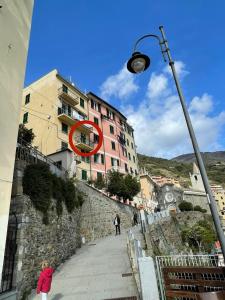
<point x="220" y="200"/>
<point x="146" y="197"/>
<point x="50" y="106"/>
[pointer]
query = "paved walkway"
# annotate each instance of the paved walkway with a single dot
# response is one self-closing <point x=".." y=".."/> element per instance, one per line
<point x="95" y="273"/>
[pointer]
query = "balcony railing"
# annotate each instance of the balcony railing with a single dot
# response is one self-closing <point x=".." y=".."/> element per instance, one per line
<point x="84" y="144"/>
<point x="121" y="140"/>
<point x="68" y="95"/>
<point x="71" y="117"/>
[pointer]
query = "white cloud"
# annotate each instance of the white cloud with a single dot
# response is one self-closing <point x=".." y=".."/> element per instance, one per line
<point x="157" y="85"/>
<point x="120" y="85"/>
<point x="180" y="69"/>
<point x="160" y="128"/>
<point x="202" y="105"/>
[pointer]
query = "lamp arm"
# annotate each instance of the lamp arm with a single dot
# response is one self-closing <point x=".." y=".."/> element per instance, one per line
<point x="161" y="43"/>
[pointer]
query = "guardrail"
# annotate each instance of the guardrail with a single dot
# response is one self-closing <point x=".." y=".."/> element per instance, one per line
<point x="143" y="269"/>
<point x="30" y="155"/>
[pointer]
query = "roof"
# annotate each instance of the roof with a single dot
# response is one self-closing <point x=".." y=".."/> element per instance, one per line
<point x="106" y="103"/>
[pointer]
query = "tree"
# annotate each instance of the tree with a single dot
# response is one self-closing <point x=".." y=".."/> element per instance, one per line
<point x="125" y="187"/>
<point x="99" y="183"/>
<point x="115" y="184"/>
<point x="200" y="236"/>
<point x="185" y="206"/>
<point x="25" y="134"/>
<point x="132" y="187"/>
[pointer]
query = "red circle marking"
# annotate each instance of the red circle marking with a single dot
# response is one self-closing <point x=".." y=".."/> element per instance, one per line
<point x="74" y="127"/>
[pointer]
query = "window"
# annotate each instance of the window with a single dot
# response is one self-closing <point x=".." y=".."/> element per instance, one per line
<point x="99" y="107"/>
<point x="132" y="145"/>
<point x="125" y="151"/>
<point x="118" y="162"/>
<point x="83" y="138"/>
<point x="113" y="145"/>
<point x="27" y="98"/>
<point x="112" y="161"/>
<point x="102" y="159"/>
<point x="131" y="170"/>
<point x="84" y="175"/>
<point x="92" y="104"/>
<point x="134" y="159"/>
<point x="110" y="114"/>
<point x="64" y="145"/>
<point x="88" y="159"/>
<point x="82" y="102"/>
<point x="136" y="173"/>
<point x="99" y="175"/>
<point x="128" y="143"/>
<point x="196" y="178"/>
<point x="96" y="138"/>
<point x="126" y="168"/>
<point x="96" y="120"/>
<point x="64" y="128"/>
<point x="96" y="156"/>
<point x="111" y="129"/>
<point x="65" y="88"/>
<point x="25" y="118"/>
<point x="129" y="156"/>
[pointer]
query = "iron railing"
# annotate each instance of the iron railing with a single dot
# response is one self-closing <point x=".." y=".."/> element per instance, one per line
<point x="30" y="155"/>
<point x="183" y="267"/>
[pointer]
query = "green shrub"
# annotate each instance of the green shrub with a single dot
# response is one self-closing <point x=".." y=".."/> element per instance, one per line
<point x="199" y="208"/>
<point x="99" y="183"/>
<point x="185" y="206"/>
<point x="69" y="195"/>
<point x="37" y="184"/>
<point x="41" y="185"/>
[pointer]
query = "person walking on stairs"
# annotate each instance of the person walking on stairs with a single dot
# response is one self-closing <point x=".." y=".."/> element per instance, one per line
<point x="117" y="224"/>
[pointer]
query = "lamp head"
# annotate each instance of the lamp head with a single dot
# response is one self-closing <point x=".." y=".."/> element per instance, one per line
<point x="138" y="63"/>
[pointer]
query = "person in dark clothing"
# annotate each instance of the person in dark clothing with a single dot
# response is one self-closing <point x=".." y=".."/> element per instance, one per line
<point x="135" y="219"/>
<point x="116" y="222"/>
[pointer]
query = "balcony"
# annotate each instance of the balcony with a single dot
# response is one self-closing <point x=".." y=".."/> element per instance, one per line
<point x="68" y="95"/>
<point x="71" y="117"/>
<point x="83" y="144"/>
<point x="121" y="140"/>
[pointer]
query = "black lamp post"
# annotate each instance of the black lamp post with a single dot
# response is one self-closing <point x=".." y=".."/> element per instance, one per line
<point x="139" y="63"/>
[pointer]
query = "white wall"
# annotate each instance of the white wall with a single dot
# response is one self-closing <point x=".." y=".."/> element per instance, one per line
<point x="15" y="21"/>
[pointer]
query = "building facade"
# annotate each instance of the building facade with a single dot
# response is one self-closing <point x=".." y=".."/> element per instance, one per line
<point x="118" y="150"/>
<point x="51" y="105"/>
<point x="15" y="23"/>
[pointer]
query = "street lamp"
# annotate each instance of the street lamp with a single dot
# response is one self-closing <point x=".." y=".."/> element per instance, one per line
<point x="139" y="63"/>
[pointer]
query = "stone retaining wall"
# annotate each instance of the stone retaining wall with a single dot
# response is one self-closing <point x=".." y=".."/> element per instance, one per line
<point x="98" y="212"/>
<point x="55" y="242"/>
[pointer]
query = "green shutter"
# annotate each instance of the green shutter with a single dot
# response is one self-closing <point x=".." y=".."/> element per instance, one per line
<point x="25" y="118"/>
<point x="84" y="175"/>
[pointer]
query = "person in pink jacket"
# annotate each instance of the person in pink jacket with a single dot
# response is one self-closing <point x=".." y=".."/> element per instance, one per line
<point x="45" y="280"/>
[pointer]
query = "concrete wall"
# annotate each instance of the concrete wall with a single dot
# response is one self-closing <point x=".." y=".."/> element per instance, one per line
<point x="15" y="22"/>
<point x="98" y="212"/>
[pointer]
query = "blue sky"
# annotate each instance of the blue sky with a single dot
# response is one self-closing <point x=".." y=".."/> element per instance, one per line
<point x="91" y="41"/>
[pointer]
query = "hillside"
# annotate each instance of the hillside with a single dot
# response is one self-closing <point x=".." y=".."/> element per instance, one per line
<point x="208" y="157"/>
<point x="181" y="170"/>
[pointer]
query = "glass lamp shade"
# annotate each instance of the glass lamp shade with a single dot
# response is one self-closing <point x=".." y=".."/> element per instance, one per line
<point x="138" y="63"/>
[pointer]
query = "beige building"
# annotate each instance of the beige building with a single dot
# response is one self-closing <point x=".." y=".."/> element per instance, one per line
<point x="220" y="200"/>
<point x="146" y="198"/>
<point x="15" y="23"/>
<point x="50" y="106"/>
